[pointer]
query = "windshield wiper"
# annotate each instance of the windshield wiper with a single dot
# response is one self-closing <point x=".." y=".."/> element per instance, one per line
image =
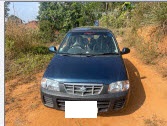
<point x="84" y="54"/>
<point x="64" y="54"/>
<point x="68" y="54"/>
<point x="80" y="54"/>
<point x="111" y="53"/>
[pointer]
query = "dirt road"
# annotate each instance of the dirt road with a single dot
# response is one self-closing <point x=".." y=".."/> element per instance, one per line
<point x="147" y="105"/>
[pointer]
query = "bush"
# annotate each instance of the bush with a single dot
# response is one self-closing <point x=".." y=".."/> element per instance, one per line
<point x="59" y="38"/>
<point x="46" y="31"/>
<point x="19" y="39"/>
<point x="24" y="52"/>
<point x="146" y="13"/>
<point x="39" y="50"/>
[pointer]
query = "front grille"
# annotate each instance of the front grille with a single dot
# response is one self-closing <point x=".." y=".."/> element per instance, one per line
<point x="48" y="101"/>
<point x="83" y="89"/>
<point x="119" y="104"/>
<point x="101" y="105"/>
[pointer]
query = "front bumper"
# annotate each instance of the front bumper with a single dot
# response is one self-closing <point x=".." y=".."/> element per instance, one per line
<point x="105" y="102"/>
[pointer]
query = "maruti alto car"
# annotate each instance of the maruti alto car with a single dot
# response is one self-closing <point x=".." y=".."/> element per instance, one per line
<point x="88" y="66"/>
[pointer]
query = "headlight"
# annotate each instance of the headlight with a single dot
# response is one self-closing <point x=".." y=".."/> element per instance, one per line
<point x="50" y="84"/>
<point x="118" y="86"/>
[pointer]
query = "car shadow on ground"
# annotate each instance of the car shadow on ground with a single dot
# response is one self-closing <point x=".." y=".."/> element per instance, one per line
<point x="137" y="93"/>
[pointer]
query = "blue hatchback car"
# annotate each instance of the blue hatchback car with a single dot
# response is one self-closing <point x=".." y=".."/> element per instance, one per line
<point x="88" y="66"/>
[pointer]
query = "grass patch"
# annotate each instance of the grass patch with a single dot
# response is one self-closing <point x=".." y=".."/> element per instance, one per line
<point x="148" y="51"/>
<point x="25" y="51"/>
<point x="27" y="64"/>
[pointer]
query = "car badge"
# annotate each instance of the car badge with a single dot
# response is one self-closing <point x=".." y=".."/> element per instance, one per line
<point x="82" y="89"/>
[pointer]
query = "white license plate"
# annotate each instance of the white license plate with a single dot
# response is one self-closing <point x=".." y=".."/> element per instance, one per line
<point x="81" y="109"/>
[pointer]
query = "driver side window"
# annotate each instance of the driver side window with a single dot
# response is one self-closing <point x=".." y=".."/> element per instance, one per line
<point x="67" y="44"/>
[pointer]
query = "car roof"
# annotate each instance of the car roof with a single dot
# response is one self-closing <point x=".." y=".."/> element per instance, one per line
<point x="89" y="28"/>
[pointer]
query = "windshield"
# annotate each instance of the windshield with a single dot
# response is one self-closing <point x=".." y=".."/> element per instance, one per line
<point x="83" y="43"/>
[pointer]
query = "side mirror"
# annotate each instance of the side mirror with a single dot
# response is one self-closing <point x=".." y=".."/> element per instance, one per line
<point x="52" y="49"/>
<point x="125" y="51"/>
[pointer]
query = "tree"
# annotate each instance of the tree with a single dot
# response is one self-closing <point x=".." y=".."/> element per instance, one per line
<point x="6" y="5"/>
<point x="63" y="16"/>
<point x="66" y="15"/>
<point x="91" y="11"/>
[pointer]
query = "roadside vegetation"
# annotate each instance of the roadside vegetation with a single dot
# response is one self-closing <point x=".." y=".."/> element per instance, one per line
<point x="24" y="52"/>
<point x="142" y="26"/>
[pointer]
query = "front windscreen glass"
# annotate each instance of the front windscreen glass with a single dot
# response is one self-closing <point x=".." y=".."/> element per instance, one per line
<point x="83" y="43"/>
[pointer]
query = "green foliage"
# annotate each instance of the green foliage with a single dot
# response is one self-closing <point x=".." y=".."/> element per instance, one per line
<point x="133" y="16"/>
<point x="160" y="12"/>
<point x="51" y="12"/>
<point x="19" y="39"/>
<point x="24" y="52"/>
<point x="46" y="31"/>
<point x="91" y="11"/>
<point x="117" y="14"/>
<point x="63" y="16"/>
<point x="146" y="13"/>
<point x="59" y="37"/>
<point x="26" y="65"/>
<point x="112" y="21"/>
<point x="39" y="50"/>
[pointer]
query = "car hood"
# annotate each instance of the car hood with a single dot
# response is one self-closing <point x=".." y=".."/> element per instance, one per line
<point x="81" y="69"/>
